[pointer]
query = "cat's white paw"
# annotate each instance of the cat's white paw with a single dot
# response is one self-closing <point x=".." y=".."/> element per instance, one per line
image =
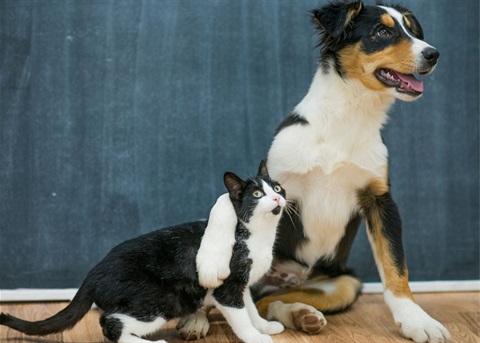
<point x="272" y="328"/>
<point x="194" y="326"/>
<point x="414" y="323"/>
<point x="259" y="339"/>
<point x="212" y="272"/>
<point x="213" y="257"/>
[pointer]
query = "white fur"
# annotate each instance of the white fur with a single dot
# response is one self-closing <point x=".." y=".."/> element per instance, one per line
<point x="246" y="323"/>
<point x="242" y="325"/>
<point x="415" y="323"/>
<point x="262" y="227"/>
<point x="325" y="167"/>
<point x="211" y="269"/>
<point x="262" y="325"/>
<point x="134" y="329"/>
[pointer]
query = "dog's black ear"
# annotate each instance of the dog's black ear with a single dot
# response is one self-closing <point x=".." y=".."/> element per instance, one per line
<point x="334" y="18"/>
<point x="411" y="22"/>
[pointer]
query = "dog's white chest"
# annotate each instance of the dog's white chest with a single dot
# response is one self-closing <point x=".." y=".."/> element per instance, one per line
<point x="324" y="162"/>
<point x="327" y="203"/>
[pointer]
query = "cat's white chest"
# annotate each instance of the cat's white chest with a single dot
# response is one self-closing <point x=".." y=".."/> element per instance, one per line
<point x="260" y="246"/>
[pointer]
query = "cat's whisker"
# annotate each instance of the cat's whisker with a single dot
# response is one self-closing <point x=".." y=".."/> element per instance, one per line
<point x="291" y="207"/>
<point x="287" y="211"/>
<point x="291" y="210"/>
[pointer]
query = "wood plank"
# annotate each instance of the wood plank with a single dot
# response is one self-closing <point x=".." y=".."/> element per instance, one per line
<point x="368" y="321"/>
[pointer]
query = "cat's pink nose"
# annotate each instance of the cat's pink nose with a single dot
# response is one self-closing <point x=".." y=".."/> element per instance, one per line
<point x="277" y="199"/>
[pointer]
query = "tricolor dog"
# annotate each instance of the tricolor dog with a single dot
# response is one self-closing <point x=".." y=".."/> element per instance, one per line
<point x="330" y="157"/>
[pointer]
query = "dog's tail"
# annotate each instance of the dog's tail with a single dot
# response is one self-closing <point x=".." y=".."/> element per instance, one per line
<point x="63" y="320"/>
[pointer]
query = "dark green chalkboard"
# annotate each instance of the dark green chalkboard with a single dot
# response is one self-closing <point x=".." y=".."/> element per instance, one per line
<point x="119" y="117"/>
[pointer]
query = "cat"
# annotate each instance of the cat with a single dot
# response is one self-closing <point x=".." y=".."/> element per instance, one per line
<point x="146" y="281"/>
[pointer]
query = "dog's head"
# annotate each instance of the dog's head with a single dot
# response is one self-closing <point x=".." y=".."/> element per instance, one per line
<point x="381" y="46"/>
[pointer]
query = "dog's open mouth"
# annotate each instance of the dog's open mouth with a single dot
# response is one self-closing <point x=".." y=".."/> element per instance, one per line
<point x="403" y="83"/>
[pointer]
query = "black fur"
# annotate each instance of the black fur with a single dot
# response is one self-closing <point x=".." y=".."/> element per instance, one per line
<point x="293" y="119"/>
<point x="290" y="236"/>
<point x="230" y="293"/>
<point x="111" y="327"/>
<point x="391" y="230"/>
<point x="337" y="265"/>
<point x="416" y="28"/>
<point x="155" y="275"/>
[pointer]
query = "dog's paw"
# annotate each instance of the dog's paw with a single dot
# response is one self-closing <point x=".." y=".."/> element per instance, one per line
<point x="423" y="328"/>
<point x="310" y="321"/>
<point x="414" y="323"/>
<point x="297" y="316"/>
<point x="194" y="326"/>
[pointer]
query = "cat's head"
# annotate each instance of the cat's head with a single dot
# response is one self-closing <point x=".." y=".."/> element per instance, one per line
<point x="259" y="195"/>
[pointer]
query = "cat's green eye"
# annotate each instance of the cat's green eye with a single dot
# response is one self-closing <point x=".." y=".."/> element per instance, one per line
<point x="257" y="194"/>
<point x="277" y="189"/>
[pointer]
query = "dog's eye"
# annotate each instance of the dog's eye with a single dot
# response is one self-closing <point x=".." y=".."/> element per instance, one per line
<point x="383" y="33"/>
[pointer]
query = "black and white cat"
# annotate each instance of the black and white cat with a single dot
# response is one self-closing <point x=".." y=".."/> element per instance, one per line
<point x="146" y="281"/>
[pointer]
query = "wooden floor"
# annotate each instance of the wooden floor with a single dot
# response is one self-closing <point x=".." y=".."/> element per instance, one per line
<point x="369" y="321"/>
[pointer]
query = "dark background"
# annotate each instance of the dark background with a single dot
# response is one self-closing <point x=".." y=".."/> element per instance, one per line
<point x="120" y="117"/>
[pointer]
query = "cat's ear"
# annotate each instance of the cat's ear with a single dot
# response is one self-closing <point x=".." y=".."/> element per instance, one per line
<point x="262" y="169"/>
<point x="234" y="184"/>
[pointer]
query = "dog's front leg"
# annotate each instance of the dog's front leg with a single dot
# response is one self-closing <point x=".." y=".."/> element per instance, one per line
<point x="384" y="230"/>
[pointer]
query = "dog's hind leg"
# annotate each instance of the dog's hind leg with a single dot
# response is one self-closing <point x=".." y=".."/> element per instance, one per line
<point x="299" y="308"/>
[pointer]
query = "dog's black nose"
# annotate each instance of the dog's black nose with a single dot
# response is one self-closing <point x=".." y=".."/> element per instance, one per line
<point x="431" y="55"/>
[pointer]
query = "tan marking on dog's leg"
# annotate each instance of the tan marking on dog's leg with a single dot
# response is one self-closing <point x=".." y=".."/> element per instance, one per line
<point x="372" y="203"/>
<point x="395" y="282"/>
<point x="326" y="295"/>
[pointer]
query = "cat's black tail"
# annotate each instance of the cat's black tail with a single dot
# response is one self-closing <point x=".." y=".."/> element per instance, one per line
<point x="63" y="320"/>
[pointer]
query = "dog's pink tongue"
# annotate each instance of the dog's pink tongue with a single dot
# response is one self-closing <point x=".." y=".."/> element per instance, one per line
<point x="411" y="81"/>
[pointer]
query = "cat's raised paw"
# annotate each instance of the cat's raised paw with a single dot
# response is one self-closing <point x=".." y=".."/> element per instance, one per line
<point x="311" y="322"/>
<point x="194" y="326"/>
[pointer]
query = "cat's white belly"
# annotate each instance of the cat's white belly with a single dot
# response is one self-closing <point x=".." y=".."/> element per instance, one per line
<point x="327" y="203"/>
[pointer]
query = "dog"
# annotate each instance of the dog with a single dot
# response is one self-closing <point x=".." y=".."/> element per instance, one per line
<point x="330" y="157"/>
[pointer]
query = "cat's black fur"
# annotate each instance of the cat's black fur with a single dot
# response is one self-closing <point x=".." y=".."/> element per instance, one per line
<point x="155" y="275"/>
